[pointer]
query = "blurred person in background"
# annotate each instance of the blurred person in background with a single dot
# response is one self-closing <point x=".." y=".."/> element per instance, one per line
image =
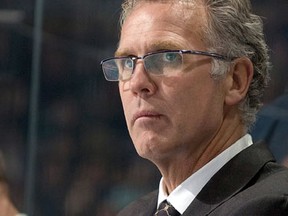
<point x="7" y="208"/>
<point x="191" y="76"/>
<point x="271" y="126"/>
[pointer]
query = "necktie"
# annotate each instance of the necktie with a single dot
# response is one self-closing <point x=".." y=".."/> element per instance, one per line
<point x="166" y="209"/>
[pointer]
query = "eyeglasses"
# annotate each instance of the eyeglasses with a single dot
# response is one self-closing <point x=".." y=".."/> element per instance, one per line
<point x="167" y="63"/>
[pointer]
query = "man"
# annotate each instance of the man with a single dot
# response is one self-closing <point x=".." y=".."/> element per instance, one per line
<point x="191" y="74"/>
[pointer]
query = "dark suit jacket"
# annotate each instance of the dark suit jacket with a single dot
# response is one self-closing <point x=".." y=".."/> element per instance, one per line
<point x="251" y="184"/>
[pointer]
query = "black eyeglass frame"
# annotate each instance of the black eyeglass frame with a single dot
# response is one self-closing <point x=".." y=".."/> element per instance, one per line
<point x="193" y="52"/>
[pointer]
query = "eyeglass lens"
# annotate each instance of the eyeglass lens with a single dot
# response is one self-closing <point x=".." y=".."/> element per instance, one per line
<point x="158" y="64"/>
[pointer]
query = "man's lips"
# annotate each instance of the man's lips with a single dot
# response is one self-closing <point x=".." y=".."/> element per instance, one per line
<point x="145" y="114"/>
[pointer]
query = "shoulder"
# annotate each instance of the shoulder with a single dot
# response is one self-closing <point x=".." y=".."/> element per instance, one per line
<point x="272" y="180"/>
<point x="273" y="172"/>
<point x="265" y="194"/>
<point x="264" y="205"/>
<point x="145" y="205"/>
<point x="250" y="184"/>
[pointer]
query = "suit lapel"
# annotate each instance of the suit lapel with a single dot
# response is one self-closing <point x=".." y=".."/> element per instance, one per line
<point x="230" y="179"/>
<point x="150" y="204"/>
<point x="145" y="206"/>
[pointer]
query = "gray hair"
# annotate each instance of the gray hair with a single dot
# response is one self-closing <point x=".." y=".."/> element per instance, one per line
<point x="232" y="30"/>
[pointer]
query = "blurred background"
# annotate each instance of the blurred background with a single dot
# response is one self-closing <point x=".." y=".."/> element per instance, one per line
<point x="82" y="161"/>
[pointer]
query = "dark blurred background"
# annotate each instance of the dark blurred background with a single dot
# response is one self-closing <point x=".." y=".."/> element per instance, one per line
<point x="85" y="162"/>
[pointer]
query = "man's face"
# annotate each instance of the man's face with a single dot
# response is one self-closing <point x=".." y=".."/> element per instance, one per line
<point x="169" y="116"/>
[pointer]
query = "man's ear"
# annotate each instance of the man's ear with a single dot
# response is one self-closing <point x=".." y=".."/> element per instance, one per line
<point x="238" y="80"/>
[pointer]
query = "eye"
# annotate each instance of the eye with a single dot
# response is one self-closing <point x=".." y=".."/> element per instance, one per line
<point x="128" y="63"/>
<point x="171" y="61"/>
<point x="163" y="63"/>
<point x="172" y="57"/>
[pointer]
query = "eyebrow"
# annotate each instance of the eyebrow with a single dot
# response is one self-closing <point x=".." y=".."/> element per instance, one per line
<point x="165" y="45"/>
<point x="152" y="47"/>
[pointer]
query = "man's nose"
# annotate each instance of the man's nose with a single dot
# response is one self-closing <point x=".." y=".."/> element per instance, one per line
<point x="141" y="83"/>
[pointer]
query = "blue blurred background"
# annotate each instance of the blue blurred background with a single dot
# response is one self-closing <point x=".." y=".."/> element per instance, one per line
<point x="85" y="163"/>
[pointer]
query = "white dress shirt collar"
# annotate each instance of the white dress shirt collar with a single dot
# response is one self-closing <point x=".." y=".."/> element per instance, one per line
<point x="186" y="192"/>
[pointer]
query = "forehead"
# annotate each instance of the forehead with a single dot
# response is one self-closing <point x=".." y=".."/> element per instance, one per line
<point x="163" y="23"/>
<point x="130" y="5"/>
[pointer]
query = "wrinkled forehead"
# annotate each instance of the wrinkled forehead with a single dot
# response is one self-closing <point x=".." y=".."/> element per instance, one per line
<point x="133" y="3"/>
<point x="184" y="7"/>
<point x="164" y="21"/>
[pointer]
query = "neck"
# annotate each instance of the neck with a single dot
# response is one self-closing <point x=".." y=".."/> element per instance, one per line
<point x="177" y="169"/>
